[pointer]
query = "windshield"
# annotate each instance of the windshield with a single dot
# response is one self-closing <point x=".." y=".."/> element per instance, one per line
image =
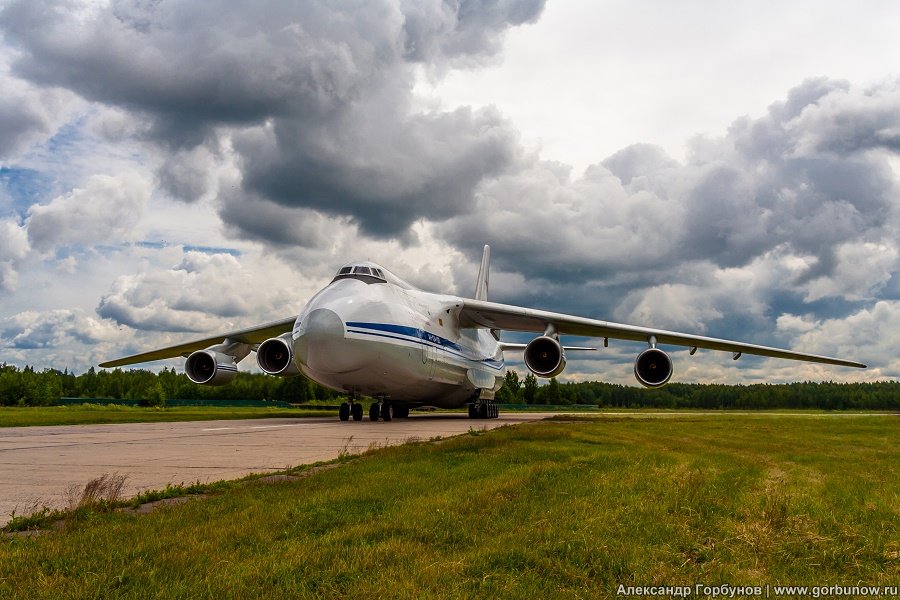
<point x="363" y="273"/>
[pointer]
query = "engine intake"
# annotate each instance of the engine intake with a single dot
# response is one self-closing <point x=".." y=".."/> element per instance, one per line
<point x="544" y="357"/>
<point x="208" y="367"/>
<point x="275" y="356"/>
<point x="653" y="368"/>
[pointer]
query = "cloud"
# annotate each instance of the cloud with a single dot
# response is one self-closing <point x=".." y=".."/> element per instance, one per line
<point x="861" y="270"/>
<point x="186" y="175"/>
<point x="13" y="248"/>
<point x="462" y="34"/>
<point x="384" y="173"/>
<point x="640" y="216"/>
<point x="28" y="113"/>
<point x="871" y="335"/>
<point x="318" y="97"/>
<point x="205" y="292"/>
<point x="106" y="209"/>
<point x="848" y="120"/>
<point x="31" y="330"/>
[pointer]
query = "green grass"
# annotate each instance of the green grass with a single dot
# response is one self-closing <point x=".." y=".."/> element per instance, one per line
<point x="542" y="510"/>
<point x="82" y="414"/>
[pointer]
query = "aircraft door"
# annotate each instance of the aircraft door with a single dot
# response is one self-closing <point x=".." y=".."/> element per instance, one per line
<point x="428" y="352"/>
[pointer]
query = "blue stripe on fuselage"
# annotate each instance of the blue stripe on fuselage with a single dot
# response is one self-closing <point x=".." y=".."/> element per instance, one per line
<point x="404" y="333"/>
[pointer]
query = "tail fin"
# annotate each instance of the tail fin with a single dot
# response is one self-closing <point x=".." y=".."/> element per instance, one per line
<point x="481" y="286"/>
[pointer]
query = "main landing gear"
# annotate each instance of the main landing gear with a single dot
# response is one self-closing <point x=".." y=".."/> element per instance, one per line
<point x="388" y="411"/>
<point x="483" y="409"/>
<point x="348" y="409"/>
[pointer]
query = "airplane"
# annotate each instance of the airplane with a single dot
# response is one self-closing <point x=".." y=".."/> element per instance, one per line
<point x="369" y="333"/>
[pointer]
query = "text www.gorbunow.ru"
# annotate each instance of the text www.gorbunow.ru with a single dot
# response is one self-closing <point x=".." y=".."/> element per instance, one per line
<point x="700" y="590"/>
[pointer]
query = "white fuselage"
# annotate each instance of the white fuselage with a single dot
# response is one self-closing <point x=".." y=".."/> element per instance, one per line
<point x="387" y="339"/>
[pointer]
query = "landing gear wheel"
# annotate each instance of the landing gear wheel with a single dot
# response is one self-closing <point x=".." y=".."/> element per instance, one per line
<point x="401" y="411"/>
<point x="483" y="410"/>
<point x="374" y="411"/>
<point x="357" y="411"/>
<point x="387" y="411"/>
<point x="344" y="411"/>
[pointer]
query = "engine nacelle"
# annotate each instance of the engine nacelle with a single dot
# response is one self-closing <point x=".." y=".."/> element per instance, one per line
<point x="653" y="368"/>
<point x="275" y="356"/>
<point x="208" y="367"/>
<point x="544" y="357"/>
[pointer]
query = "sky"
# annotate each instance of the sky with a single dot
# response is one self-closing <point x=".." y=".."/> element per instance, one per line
<point x="170" y="169"/>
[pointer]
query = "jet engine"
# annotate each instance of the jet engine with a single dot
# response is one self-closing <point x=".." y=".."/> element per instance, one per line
<point x="209" y="367"/>
<point x="275" y="356"/>
<point x="545" y="357"/>
<point x="653" y="367"/>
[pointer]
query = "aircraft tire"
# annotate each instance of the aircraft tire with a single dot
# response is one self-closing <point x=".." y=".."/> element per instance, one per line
<point x="344" y="412"/>
<point x="401" y="411"/>
<point x="472" y="413"/>
<point x="374" y="412"/>
<point x="356" y="410"/>
<point x="387" y="411"/>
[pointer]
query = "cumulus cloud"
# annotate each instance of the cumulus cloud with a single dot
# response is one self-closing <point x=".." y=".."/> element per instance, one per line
<point x="187" y="175"/>
<point x="871" y="334"/>
<point x="848" y="120"/>
<point x="106" y="209"/>
<point x="32" y="329"/>
<point x="204" y="292"/>
<point x="759" y="217"/>
<point x="383" y="173"/>
<point x="27" y="113"/>
<point x="13" y="248"/>
<point x="320" y="95"/>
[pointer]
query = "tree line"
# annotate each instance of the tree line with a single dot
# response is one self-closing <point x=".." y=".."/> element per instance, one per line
<point x="820" y="395"/>
<point x="28" y="387"/>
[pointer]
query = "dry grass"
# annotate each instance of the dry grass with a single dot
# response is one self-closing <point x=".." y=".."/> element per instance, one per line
<point x="104" y="490"/>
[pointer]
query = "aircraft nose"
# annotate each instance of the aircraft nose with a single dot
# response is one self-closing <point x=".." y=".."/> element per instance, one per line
<point x="321" y="345"/>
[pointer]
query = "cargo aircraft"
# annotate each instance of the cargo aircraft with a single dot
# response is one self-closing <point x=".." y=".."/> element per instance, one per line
<point x="369" y="333"/>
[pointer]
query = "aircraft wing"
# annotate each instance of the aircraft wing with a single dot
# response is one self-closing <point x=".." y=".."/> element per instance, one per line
<point x="251" y="336"/>
<point x="492" y="315"/>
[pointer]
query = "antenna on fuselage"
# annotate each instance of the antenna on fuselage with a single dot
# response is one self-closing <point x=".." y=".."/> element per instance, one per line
<point x="481" y="286"/>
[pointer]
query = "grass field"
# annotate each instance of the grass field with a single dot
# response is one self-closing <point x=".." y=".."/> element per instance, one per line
<point x="545" y="510"/>
<point x="83" y="414"/>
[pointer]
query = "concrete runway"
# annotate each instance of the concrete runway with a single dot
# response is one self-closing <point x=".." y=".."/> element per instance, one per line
<point x="39" y="464"/>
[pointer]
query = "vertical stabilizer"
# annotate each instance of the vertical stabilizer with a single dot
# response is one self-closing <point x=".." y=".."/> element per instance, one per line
<point x="481" y="286"/>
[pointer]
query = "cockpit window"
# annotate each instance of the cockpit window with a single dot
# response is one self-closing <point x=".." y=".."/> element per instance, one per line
<point x="362" y="273"/>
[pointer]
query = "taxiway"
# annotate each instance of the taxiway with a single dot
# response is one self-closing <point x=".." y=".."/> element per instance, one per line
<point x="38" y="465"/>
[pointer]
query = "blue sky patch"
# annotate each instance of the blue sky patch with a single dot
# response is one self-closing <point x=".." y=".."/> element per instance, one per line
<point x="23" y="188"/>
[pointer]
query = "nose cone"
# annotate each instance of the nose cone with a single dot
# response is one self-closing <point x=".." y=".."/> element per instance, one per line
<point x="321" y="344"/>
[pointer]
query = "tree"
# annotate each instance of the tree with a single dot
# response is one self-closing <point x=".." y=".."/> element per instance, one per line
<point x="154" y="395"/>
<point x="529" y="389"/>
<point x="509" y="392"/>
<point x="552" y="395"/>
